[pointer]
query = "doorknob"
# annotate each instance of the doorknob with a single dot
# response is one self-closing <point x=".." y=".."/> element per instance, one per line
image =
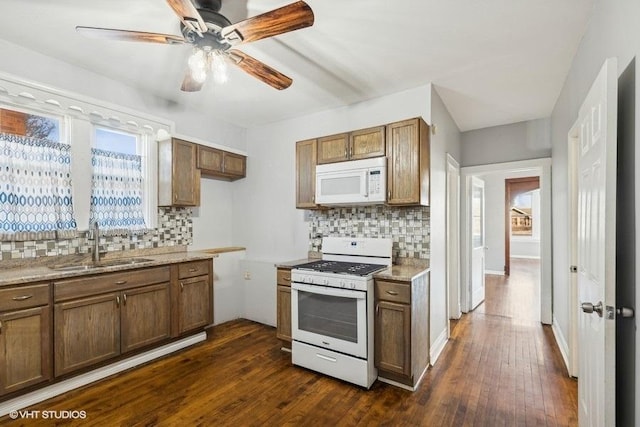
<point x="588" y="308"/>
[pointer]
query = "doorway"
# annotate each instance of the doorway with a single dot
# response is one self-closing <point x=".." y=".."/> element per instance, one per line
<point x="540" y="168"/>
<point x="520" y="220"/>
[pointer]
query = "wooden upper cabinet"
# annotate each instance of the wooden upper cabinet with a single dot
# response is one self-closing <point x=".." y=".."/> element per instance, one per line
<point x="215" y="163"/>
<point x="334" y="148"/>
<point x="306" y="174"/>
<point x="356" y="145"/>
<point x="179" y="179"/>
<point x="366" y="143"/>
<point x="408" y="163"/>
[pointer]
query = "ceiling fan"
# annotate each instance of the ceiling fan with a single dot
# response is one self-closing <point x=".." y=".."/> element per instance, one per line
<point x="213" y="38"/>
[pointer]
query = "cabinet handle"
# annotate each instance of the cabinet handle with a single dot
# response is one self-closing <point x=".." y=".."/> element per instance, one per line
<point x="118" y="301"/>
<point x="193" y="270"/>
<point x="345" y="153"/>
<point x="124" y="299"/>
<point x="22" y="297"/>
<point x="181" y="286"/>
<point x="313" y="198"/>
<point x="377" y="308"/>
<point x="0" y="326"/>
<point x="389" y="195"/>
<point x="287" y="279"/>
<point x="392" y="292"/>
<point x="121" y="282"/>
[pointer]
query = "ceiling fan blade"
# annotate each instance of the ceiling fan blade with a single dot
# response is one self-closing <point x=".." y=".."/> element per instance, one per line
<point x="189" y="84"/>
<point x="259" y="70"/>
<point x="134" y="36"/>
<point x="189" y="15"/>
<point x="287" y="18"/>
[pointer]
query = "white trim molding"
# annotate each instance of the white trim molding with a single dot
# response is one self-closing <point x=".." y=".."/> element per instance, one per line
<point x="438" y="346"/>
<point x="562" y="345"/>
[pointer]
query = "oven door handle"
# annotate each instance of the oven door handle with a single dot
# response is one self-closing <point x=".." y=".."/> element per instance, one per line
<point x="334" y="292"/>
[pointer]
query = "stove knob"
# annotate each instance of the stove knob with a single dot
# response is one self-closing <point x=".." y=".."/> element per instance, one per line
<point x="325" y="281"/>
<point x="342" y="284"/>
<point x="352" y="285"/>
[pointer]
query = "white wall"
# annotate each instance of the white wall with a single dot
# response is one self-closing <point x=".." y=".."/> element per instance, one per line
<point x="612" y="32"/>
<point x="445" y="140"/>
<point x="266" y="221"/>
<point x="506" y="143"/>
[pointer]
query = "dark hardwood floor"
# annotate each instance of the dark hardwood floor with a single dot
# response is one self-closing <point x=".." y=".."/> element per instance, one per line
<point x="497" y="370"/>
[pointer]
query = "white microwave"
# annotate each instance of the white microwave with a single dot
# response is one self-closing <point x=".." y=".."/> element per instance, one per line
<point x="356" y="182"/>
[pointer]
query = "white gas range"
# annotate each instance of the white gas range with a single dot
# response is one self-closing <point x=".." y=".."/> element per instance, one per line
<point x="332" y="308"/>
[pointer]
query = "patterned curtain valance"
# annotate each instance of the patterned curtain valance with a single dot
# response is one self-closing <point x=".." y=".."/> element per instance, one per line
<point x="35" y="189"/>
<point x="117" y="192"/>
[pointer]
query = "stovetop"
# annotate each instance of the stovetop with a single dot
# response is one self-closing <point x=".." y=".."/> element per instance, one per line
<point x="342" y="267"/>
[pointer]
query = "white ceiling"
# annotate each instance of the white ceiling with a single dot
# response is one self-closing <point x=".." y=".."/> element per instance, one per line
<point x="493" y="61"/>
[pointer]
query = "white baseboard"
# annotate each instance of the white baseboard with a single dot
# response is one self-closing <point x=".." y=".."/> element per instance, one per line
<point x="438" y="346"/>
<point x="525" y="256"/>
<point x="494" y="272"/>
<point x="53" y="390"/>
<point x="562" y="342"/>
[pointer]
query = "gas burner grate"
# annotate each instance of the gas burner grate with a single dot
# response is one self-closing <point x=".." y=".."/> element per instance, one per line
<point x="342" y="267"/>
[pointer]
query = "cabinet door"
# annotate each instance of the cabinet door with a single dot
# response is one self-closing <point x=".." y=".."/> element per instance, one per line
<point x="210" y="159"/>
<point x="185" y="175"/>
<point x="235" y="165"/>
<point x="306" y="174"/>
<point x="283" y="331"/>
<point x="144" y="316"/>
<point x="87" y="331"/>
<point x="403" y="172"/>
<point x="25" y="348"/>
<point x="393" y="337"/>
<point x="367" y="143"/>
<point x="194" y="303"/>
<point x="333" y="148"/>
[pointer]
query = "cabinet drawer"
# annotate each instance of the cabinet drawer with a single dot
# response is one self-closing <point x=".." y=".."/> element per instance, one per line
<point x="109" y="282"/>
<point x="24" y="297"/>
<point x="393" y="291"/>
<point x="284" y="277"/>
<point x="193" y="269"/>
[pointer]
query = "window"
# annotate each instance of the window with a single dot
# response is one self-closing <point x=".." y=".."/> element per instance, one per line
<point x="36" y="200"/>
<point x="29" y="124"/>
<point x="524" y="214"/>
<point x="117" y="184"/>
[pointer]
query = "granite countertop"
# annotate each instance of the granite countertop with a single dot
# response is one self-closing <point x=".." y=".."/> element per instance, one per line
<point x="40" y="271"/>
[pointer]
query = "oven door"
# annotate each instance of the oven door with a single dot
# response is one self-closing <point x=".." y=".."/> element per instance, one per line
<point x="331" y="318"/>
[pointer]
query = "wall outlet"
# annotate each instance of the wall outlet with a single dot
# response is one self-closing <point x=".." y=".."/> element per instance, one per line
<point x="247" y="275"/>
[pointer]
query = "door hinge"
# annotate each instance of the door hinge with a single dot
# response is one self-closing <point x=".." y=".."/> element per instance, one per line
<point x="573" y="268"/>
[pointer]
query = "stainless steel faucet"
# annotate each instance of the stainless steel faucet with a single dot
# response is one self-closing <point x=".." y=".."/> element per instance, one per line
<point x="96" y="242"/>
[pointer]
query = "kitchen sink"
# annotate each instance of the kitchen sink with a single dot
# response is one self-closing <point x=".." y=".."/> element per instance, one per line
<point x="101" y="264"/>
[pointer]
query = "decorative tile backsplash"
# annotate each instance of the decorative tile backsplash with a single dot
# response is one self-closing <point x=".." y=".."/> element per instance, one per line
<point x="408" y="226"/>
<point x="174" y="229"/>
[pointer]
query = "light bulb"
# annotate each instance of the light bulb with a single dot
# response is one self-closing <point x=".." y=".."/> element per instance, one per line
<point x="219" y="68"/>
<point x="197" y="61"/>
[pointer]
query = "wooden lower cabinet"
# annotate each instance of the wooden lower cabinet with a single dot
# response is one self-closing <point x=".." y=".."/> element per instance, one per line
<point x="87" y="331"/>
<point x="194" y="304"/>
<point x="402" y="329"/>
<point x="91" y="330"/>
<point x="25" y="348"/>
<point x="144" y="316"/>
<point x="283" y="326"/>
<point x="393" y="341"/>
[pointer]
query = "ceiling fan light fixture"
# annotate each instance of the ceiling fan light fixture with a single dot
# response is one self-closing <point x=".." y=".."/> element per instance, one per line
<point x="219" y="67"/>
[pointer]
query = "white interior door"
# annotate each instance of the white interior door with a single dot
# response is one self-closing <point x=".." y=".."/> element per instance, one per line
<point x="477" y="241"/>
<point x="596" y="249"/>
<point x="453" y="237"/>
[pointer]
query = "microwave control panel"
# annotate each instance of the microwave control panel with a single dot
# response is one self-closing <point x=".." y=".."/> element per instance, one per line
<point x="374" y="181"/>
